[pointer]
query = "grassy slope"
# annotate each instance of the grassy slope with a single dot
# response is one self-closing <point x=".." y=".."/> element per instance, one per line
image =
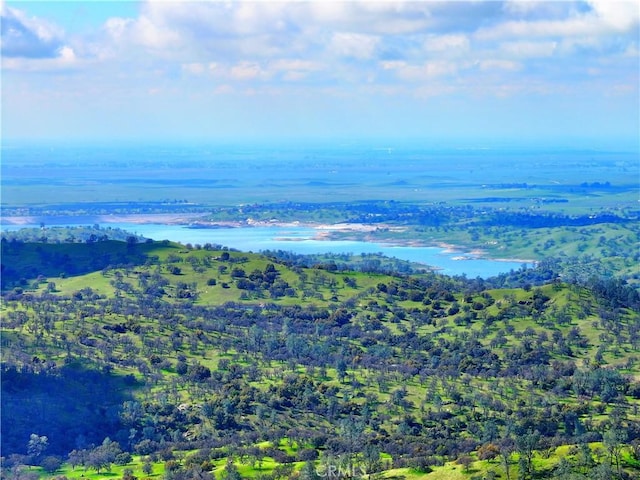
<point x="327" y="285"/>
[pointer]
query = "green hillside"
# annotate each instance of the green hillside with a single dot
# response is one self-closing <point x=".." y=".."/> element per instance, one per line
<point x="165" y="361"/>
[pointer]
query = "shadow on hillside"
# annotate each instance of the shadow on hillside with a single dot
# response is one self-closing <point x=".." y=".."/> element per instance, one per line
<point x="73" y="406"/>
<point x="25" y="262"/>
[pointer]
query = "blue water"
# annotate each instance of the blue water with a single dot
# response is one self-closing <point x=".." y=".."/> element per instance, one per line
<point x="120" y="178"/>
<point x="301" y="240"/>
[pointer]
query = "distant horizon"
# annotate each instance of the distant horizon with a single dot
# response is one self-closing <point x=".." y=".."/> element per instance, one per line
<point x="470" y="144"/>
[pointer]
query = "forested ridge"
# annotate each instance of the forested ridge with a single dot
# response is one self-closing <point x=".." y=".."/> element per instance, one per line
<point x="200" y="360"/>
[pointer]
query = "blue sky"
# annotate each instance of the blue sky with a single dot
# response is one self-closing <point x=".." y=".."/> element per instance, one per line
<point x="541" y="71"/>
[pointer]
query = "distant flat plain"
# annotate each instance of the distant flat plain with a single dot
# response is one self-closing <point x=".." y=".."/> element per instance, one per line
<point x="183" y="177"/>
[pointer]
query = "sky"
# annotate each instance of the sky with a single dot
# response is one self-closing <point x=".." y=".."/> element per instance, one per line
<point x="541" y="72"/>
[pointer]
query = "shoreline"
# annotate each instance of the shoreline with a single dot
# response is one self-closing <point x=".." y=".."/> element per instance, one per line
<point x="323" y="231"/>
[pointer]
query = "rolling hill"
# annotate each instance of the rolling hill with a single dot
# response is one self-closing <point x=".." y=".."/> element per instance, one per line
<point x="158" y="359"/>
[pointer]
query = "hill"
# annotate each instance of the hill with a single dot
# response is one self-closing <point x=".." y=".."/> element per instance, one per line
<point x="191" y="361"/>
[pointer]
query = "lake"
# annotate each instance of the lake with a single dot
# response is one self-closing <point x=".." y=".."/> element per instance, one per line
<point x="297" y="239"/>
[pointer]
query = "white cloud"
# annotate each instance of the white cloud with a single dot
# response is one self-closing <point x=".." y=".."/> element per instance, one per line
<point x="65" y="61"/>
<point x="540" y="9"/>
<point x="398" y="46"/>
<point x="393" y="64"/>
<point x="528" y="49"/>
<point x="377" y="17"/>
<point x="506" y="65"/>
<point x="226" y="30"/>
<point x="247" y="71"/>
<point x="454" y="43"/>
<point x="354" y="45"/>
<point x="28" y="37"/>
<point x="117" y="27"/>
<point x="244" y="71"/>
<point x="147" y="31"/>
<point x="292" y="41"/>
<point x="67" y="55"/>
<point x="149" y="34"/>
<point x="293" y="70"/>
<point x="617" y="15"/>
<point x="604" y="18"/>
<point x="295" y="64"/>
<point x="421" y="72"/>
